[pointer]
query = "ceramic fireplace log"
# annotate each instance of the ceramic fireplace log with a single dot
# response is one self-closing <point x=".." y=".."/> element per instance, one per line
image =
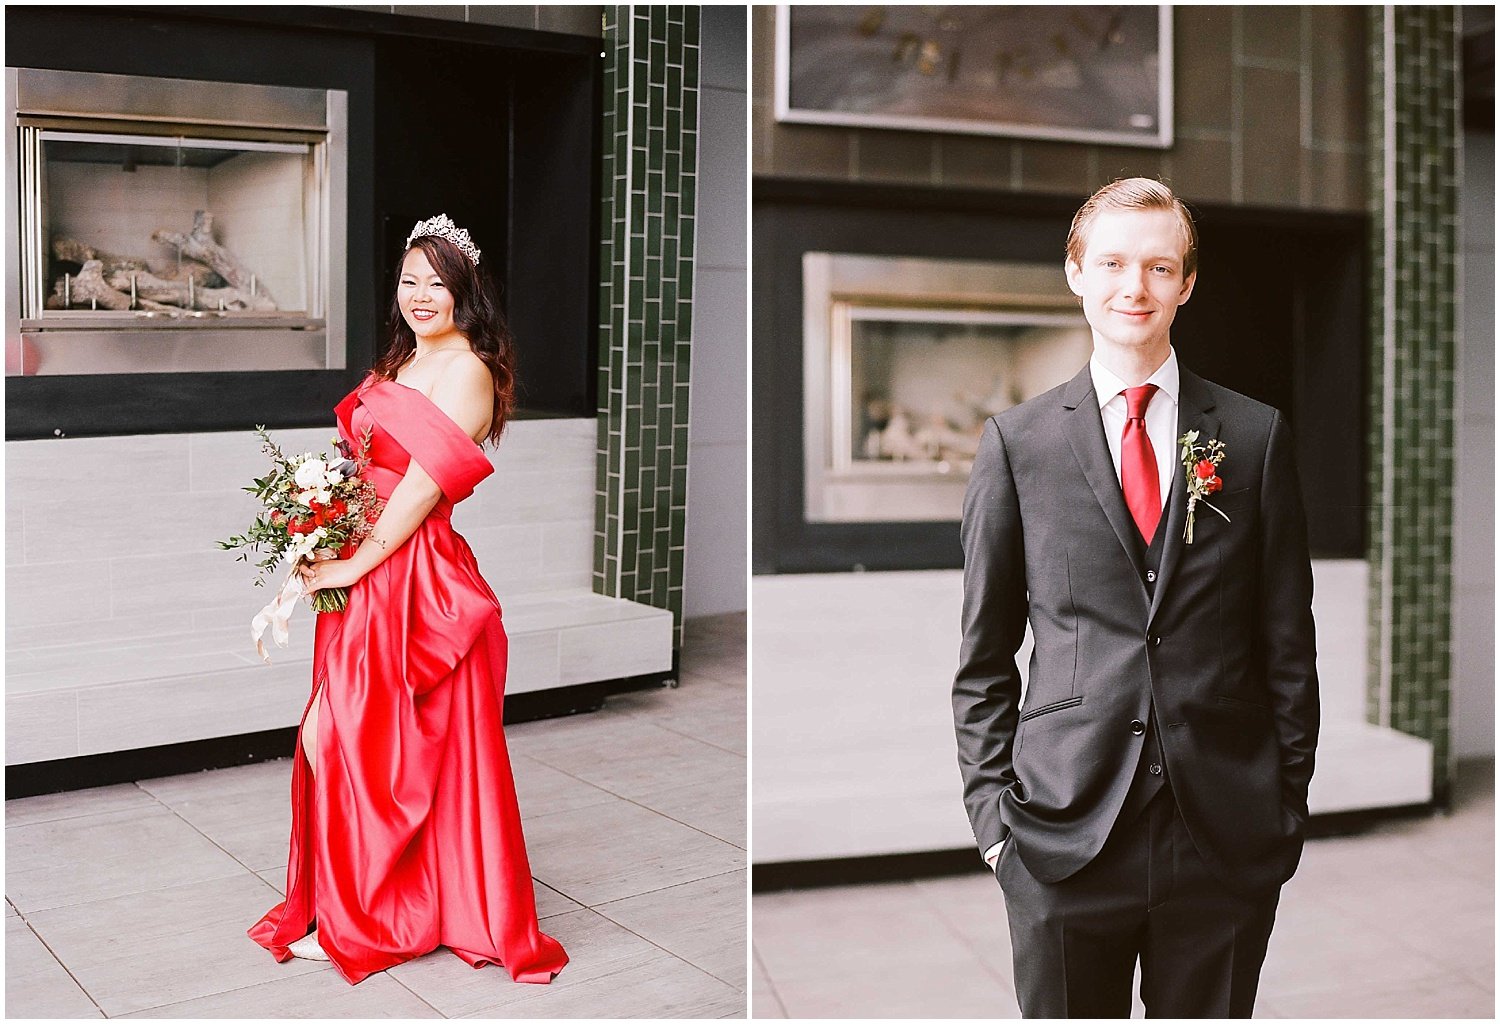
<point x="74" y="251"/>
<point x="176" y="293"/>
<point x="71" y="250"/>
<point x="199" y="244"/>
<point x="89" y="288"/>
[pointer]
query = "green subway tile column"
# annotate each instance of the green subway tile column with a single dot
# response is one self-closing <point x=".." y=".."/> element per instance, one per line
<point x="1413" y="178"/>
<point x="649" y="194"/>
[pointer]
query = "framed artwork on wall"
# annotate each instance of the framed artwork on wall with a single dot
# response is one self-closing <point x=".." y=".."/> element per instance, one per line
<point x="1100" y="74"/>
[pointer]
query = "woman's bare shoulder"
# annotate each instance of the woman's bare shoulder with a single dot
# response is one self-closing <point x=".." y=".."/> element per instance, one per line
<point x="462" y="370"/>
<point x="464" y="389"/>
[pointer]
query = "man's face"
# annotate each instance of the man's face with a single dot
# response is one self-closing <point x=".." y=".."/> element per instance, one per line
<point x="1131" y="279"/>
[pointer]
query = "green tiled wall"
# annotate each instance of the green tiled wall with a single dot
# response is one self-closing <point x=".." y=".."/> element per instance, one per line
<point x="646" y="303"/>
<point x="1414" y="250"/>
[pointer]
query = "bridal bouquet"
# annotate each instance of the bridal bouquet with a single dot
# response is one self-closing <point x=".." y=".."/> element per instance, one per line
<point x="315" y="505"/>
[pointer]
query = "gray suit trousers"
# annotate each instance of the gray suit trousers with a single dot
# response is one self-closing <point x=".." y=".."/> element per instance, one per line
<point x="1147" y="895"/>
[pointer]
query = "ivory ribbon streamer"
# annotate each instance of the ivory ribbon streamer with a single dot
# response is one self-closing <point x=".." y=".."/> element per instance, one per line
<point x="278" y="613"/>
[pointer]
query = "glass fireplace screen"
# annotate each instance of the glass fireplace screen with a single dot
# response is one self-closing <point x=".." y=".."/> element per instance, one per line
<point x="923" y="381"/>
<point x="166" y="228"/>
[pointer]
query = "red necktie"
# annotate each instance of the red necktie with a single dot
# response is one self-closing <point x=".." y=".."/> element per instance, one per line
<point x="1138" y="473"/>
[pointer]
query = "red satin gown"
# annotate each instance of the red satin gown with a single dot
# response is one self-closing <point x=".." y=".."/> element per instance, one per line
<point x="409" y="837"/>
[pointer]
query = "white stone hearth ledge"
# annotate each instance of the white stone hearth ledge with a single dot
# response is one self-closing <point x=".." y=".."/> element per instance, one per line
<point x="71" y="699"/>
<point x="853" y="725"/>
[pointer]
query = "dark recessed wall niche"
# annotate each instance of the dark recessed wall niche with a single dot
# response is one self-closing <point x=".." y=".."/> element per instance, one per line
<point x="504" y="142"/>
<point x="1277" y="314"/>
<point x="497" y="127"/>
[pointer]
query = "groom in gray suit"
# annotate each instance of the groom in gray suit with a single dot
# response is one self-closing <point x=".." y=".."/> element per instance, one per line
<point x="1149" y="798"/>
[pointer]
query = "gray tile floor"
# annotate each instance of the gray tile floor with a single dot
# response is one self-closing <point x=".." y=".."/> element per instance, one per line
<point x="133" y="900"/>
<point x="1398" y="921"/>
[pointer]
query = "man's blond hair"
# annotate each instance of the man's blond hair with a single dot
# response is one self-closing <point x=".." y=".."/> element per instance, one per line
<point x="1133" y="194"/>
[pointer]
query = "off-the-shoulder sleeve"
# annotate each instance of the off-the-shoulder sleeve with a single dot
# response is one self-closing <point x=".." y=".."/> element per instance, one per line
<point x="343" y="412"/>
<point x="439" y="445"/>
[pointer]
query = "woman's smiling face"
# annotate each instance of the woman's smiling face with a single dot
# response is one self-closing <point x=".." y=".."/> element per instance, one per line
<point x="426" y="302"/>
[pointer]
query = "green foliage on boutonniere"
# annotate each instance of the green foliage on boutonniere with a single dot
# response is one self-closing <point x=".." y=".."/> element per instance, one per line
<point x="1202" y="464"/>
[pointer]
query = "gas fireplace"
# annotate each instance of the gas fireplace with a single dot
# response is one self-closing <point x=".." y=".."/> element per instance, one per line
<point x="905" y="359"/>
<point x="164" y="225"/>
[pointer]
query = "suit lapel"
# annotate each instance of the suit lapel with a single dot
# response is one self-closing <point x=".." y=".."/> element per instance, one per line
<point x="1194" y="412"/>
<point x="1085" y="431"/>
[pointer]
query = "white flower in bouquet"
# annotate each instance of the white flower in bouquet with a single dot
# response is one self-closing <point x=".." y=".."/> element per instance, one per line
<point x="312" y="474"/>
<point x="306" y="544"/>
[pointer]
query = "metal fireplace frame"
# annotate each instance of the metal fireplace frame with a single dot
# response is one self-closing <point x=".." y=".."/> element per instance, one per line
<point x="44" y="104"/>
<point x="840" y="288"/>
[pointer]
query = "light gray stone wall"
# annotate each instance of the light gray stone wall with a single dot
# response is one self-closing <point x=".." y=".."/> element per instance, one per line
<point x="126" y="627"/>
<point x="1474" y="482"/>
<point x="113" y="536"/>
<point x="718" y="437"/>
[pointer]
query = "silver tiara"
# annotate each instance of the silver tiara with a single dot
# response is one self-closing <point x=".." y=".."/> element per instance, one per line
<point x="441" y="227"/>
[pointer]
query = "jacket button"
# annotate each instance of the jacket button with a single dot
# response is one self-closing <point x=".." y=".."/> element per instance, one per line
<point x="1154" y="768"/>
<point x="1137" y="726"/>
<point x="1156" y="641"/>
<point x="1150" y="577"/>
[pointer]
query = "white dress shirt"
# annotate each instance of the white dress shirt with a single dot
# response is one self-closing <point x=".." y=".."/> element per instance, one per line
<point x="1161" y="414"/>
<point x="1161" y="427"/>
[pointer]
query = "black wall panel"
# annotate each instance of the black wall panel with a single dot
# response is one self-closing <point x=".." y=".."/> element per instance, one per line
<point x="433" y="127"/>
<point x="1277" y="314"/>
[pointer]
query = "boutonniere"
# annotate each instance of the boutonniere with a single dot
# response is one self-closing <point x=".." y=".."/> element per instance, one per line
<point x="1202" y="464"/>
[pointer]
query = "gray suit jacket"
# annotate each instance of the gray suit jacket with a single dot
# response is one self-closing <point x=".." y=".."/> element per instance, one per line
<point x="1224" y="648"/>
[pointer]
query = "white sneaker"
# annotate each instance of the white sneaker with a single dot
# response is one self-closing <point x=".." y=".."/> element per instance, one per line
<point x="307" y="948"/>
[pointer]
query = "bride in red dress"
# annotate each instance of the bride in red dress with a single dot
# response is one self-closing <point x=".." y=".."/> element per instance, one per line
<point x="405" y="831"/>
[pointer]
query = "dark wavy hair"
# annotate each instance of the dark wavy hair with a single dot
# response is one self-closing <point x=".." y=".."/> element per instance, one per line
<point x="476" y="314"/>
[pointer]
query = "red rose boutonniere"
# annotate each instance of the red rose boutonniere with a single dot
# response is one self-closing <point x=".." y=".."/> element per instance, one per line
<point x="1202" y="464"/>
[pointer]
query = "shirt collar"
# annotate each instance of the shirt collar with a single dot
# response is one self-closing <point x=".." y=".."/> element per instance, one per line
<point x="1106" y="385"/>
